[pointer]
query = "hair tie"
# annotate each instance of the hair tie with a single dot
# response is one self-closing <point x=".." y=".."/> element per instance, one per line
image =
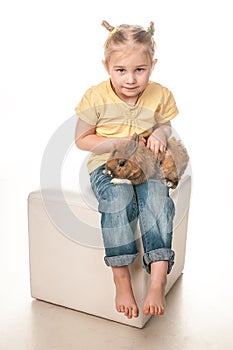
<point x="151" y="28"/>
<point x="114" y="30"/>
<point x="150" y="31"/>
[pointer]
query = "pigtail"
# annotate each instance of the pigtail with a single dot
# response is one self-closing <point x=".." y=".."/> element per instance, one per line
<point x="151" y="28"/>
<point x="110" y="28"/>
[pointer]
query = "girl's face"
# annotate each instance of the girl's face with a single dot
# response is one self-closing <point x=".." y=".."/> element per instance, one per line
<point x="129" y="71"/>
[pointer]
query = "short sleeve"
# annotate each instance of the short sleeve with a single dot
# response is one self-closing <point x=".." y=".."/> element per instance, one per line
<point x="169" y="109"/>
<point x="86" y="110"/>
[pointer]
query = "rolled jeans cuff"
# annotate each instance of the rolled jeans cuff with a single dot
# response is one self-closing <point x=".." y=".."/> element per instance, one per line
<point x="161" y="254"/>
<point x="120" y="260"/>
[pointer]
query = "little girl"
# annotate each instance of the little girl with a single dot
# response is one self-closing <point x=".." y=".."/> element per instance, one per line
<point x="113" y="110"/>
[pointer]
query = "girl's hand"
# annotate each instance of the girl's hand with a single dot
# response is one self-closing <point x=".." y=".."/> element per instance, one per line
<point x="157" y="142"/>
<point x="156" y="145"/>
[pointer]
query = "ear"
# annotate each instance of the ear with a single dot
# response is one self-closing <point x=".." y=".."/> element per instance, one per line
<point x="135" y="137"/>
<point x="153" y="65"/>
<point x="114" y="147"/>
<point x="106" y="66"/>
<point x="131" y="147"/>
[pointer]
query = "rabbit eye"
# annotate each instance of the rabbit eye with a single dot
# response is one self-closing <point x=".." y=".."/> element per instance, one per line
<point x="122" y="162"/>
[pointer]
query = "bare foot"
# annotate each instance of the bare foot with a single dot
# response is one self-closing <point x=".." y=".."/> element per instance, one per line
<point x="125" y="301"/>
<point x="155" y="300"/>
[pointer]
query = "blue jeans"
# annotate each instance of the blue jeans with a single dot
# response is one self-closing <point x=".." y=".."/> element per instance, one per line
<point x="121" y="206"/>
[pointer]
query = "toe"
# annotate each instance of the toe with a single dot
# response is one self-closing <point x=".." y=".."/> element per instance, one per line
<point x="128" y="312"/>
<point x="146" y="310"/>
<point x="153" y="310"/>
<point x="161" y="310"/>
<point x="135" y="312"/>
<point x="121" y="308"/>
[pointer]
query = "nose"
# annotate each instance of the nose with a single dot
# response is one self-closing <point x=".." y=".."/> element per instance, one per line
<point x="131" y="78"/>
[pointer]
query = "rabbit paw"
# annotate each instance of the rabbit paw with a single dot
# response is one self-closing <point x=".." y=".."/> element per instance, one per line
<point x="171" y="184"/>
<point x="117" y="181"/>
<point x="106" y="171"/>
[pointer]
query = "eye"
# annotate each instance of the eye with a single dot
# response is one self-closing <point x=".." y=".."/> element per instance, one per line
<point x="121" y="70"/>
<point x="139" y="69"/>
<point x="122" y="162"/>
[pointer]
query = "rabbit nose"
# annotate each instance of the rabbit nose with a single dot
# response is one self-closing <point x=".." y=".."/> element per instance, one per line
<point x="122" y="162"/>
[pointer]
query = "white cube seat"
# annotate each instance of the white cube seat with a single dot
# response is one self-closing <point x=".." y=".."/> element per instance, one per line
<point x="66" y="253"/>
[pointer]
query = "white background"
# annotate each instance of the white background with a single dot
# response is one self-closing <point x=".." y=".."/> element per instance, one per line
<point x="51" y="52"/>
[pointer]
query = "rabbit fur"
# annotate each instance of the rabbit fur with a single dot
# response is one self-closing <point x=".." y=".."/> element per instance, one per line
<point x="132" y="162"/>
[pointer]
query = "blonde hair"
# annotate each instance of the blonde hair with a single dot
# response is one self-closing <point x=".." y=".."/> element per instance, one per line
<point x="129" y="34"/>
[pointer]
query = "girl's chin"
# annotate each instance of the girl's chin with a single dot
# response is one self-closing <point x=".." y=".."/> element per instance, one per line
<point x="130" y="93"/>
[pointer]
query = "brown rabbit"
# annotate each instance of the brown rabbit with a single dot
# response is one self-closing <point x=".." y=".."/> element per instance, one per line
<point x="132" y="162"/>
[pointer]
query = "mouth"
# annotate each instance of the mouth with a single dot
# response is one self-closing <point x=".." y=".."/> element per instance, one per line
<point x="130" y="88"/>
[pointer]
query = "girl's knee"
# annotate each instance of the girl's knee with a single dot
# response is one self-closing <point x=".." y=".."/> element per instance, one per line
<point x="115" y="198"/>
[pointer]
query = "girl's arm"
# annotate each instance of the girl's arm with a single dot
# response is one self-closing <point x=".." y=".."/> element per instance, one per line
<point x="157" y="141"/>
<point x="87" y="140"/>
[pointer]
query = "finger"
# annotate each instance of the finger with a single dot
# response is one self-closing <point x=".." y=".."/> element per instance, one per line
<point x="154" y="147"/>
<point x="162" y="148"/>
<point x="155" y="150"/>
<point x="142" y="140"/>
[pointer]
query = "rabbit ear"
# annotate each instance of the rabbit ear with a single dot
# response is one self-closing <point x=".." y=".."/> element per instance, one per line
<point x="114" y="147"/>
<point x="135" y="137"/>
<point x="131" y="148"/>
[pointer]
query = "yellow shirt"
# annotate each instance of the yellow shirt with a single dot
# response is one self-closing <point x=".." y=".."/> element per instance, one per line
<point x="112" y="117"/>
